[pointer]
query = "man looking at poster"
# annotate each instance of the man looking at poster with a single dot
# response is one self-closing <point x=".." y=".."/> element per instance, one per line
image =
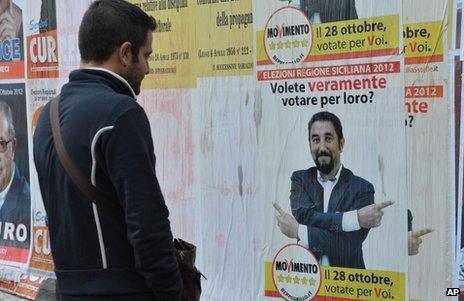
<point x="333" y="209"/>
<point x="15" y="198"/>
<point x="98" y="254"/>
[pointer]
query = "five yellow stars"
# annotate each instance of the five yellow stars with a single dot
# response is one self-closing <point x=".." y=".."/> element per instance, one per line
<point x="296" y="280"/>
<point x="288" y="44"/>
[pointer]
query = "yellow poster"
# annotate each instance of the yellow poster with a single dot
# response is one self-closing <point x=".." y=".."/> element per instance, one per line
<point x="173" y="60"/>
<point x="350" y="39"/>
<point x="224" y="37"/>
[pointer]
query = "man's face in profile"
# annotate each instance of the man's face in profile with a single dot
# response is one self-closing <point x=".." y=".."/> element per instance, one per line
<point x="325" y="146"/>
<point x="140" y="67"/>
<point x="7" y="148"/>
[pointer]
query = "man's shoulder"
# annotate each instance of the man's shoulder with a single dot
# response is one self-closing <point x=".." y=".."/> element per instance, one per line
<point x="99" y="90"/>
<point x="102" y="101"/>
<point x="103" y="94"/>
<point x="356" y="180"/>
<point x="304" y="173"/>
<point x="123" y="103"/>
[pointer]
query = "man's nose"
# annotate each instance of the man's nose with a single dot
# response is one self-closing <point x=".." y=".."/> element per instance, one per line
<point x="147" y="68"/>
<point x="322" y="146"/>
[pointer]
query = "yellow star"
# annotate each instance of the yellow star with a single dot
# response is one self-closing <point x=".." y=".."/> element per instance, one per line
<point x="280" y="45"/>
<point x="296" y="280"/>
<point x="304" y="280"/>
<point x="272" y="45"/>
<point x="288" y="44"/>
<point x="304" y="43"/>
<point x="280" y="278"/>
<point x="289" y="279"/>
<point x="312" y="281"/>
<point x="296" y="44"/>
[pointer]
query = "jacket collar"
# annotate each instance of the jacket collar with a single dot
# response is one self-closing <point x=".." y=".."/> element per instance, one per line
<point x="115" y="81"/>
<point x="337" y="192"/>
<point x="118" y="77"/>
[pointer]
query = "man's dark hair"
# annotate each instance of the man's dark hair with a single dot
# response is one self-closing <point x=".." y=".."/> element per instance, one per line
<point x="109" y="23"/>
<point x="326" y="116"/>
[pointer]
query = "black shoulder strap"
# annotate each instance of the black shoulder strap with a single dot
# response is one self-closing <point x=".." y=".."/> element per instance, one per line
<point x="77" y="176"/>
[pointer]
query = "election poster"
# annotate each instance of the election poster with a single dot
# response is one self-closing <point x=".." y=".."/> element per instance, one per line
<point x="40" y="92"/>
<point x="43" y="84"/>
<point x="172" y="64"/>
<point x="224" y="39"/>
<point x="199" y="39"/>
<point x="11" y="39"/>
<point x="42" y="40"/>
<point x="332" y="146"/>
<point x="431" y="205"/>
<point x="305" y="147"/>
<point x="15" y="203"/>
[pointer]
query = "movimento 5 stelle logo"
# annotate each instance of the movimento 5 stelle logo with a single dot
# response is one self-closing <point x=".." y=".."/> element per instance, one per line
<point x="296" y="273"/>
<point x="288" y="36"/>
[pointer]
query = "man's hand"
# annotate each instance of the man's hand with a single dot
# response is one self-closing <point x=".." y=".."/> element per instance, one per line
<point x="370" y="216"/>
<point x="414" y="240"/>
<point x="287" y="223"/>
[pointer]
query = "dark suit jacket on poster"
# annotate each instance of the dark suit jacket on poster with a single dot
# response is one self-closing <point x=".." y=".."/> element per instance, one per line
<point x="16" y="210"/>
<point x="325" y="234"/>
<point x="330" y="10"/>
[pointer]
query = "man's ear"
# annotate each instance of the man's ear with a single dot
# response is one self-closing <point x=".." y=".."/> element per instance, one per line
<point x="125" y="53"/>
<point x="13" y="146"/>
<point x="342" y="144"/>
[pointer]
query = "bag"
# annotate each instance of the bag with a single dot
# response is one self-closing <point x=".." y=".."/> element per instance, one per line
<point x="191" y="277"/>
<point x="185" y="252"/>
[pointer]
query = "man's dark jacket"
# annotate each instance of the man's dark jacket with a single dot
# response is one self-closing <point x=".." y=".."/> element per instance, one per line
<point x="139" y="251"/>
<point x="330" y="10"/>
<point x="325" y="233"/>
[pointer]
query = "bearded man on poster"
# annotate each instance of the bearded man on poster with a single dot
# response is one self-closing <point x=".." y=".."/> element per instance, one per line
<point x="100" y="255"/>
<point x="333" y="209"/>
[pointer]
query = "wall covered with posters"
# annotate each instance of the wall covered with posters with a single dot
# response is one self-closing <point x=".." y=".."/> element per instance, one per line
<point x="231" y="89"/>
